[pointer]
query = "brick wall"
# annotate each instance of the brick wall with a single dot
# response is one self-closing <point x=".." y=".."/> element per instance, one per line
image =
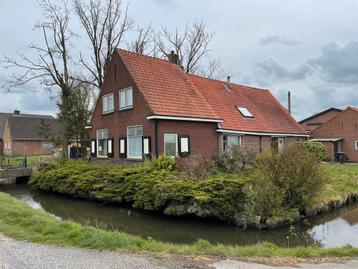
<point x="345" y="126"/>
<point x="315" y="122"/>
<point x="253" y="142"/>
<point x="28" y="148"/>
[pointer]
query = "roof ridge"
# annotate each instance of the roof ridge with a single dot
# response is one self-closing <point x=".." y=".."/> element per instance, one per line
<point x="145" y="55"/>
<point x="223" y="81"/>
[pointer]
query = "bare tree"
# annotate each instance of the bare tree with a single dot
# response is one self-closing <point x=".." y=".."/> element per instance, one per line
<point x="105" y="24"/>
<point x="190" y="46"/>
<point x="213" y="69"/>
<point x="52" y="62"/>
<point x="143" y="42"/>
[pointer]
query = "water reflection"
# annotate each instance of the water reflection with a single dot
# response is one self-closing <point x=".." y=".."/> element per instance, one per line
<point x="333" y="229"/>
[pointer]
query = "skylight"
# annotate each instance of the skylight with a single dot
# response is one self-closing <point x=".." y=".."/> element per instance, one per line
<point x="245" y="112"/>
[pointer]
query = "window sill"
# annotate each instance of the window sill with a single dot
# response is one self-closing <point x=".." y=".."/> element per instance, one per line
<point x="135" y="159"/>
<point x="102" y="157"/>
<point x="107" y="113"/>
<point x="125" y="108"/>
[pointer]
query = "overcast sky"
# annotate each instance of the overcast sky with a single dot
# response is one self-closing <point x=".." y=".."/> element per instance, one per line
<point x="308" y="47"/>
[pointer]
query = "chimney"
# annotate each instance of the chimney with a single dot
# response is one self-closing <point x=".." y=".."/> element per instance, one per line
<point x="17" y="112"/>
<point x="173" y="57"/>
<point x="228" y="80"/>
<point x="289" y="102"/>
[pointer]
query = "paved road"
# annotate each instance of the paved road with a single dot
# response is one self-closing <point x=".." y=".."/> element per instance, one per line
<point x="22" y="255"/>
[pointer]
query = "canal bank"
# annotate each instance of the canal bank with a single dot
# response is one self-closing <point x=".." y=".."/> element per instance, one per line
<point x="336" y="228"/>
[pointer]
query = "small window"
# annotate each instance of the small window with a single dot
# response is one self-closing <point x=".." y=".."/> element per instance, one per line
<point x="108" y="103"/>
<point x="171" y="145"/>
<point x="47" y="145"/>
<point x="102" y="136"/>
<point x="126" y="98"/>
<point x="245" y="112"/>
<point x="230" y="140"/>
<point x="356" y="145"/>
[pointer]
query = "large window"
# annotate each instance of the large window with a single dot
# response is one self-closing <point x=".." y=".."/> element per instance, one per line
<point x="102" y="136"/>
<point x="126" y="98"/>
<point x="134" y="138"/>
<point x="229" y="141"/>
<point x="108" y="103"/>
<point x="171" y="144"/>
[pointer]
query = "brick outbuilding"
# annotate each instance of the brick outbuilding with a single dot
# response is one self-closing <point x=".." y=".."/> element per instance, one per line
<point x="149" y="107"/>
<point x="340" y="134"/>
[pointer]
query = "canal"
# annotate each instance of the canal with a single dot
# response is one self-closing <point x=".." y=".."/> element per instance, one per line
<point x="333" y="229"/>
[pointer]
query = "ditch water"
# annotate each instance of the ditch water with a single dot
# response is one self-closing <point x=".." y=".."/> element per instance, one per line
<point x="333" y="229"/>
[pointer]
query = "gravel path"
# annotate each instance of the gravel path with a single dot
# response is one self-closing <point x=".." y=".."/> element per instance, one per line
<point x="23" y="255"/>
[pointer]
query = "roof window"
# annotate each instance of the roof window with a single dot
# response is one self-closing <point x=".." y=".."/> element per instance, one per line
<point x="245" y="112"/>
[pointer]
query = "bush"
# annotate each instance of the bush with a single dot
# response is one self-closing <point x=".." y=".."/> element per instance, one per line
<point x="164" y="163"/>
<point x="238" y="158"/>
<point x="162" y="190"/>
<point x="317" y="148"/>
<point x="196" y="167"/>
<point x="290" y="179"/>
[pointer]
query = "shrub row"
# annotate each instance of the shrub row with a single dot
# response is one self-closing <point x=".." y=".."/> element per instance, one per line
<point x="148" y="187"/>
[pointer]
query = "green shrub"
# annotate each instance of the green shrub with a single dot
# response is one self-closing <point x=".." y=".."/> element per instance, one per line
<point x="290" y="179"/>
<point x="317" y="148"/>
<point x="238" y="158"/>
<point x="164" y="163"/>
<point x="161" y="189"/>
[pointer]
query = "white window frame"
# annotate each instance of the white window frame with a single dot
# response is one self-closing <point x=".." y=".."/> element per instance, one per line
<point x="101" y="156"/>
<point x="125" y="90"/>
<point x="245" y="112"/>
<point x="356" y="144"/>
<point x="128" y="153"/>
<point x="240" y="139"/>
<point x="176" y="144"/>
<point x="103" y="102"/>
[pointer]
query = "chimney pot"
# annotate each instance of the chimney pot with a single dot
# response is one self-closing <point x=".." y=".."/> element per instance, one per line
<point x="173" y="57"/>
<point x="228" y="79"/>
<point x="16" y="112"/>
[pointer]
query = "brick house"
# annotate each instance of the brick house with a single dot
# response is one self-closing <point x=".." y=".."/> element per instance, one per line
<point x="20" y="134"/>
<point x="340" y="134"/>
<point x="313" y="122"/>
<point x="150" y="107"/>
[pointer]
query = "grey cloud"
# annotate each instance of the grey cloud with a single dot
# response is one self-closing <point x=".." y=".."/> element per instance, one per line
<point x="277" y="40"/>
<point x="275" y="70"/>
<point x="338" y="62"/>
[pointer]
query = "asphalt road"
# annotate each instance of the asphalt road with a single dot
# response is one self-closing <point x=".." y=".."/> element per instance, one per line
<point x="23" y="255"/>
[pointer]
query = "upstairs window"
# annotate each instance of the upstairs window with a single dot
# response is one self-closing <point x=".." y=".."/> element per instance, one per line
<point x="245" y="112"/>
<point x="126" y="98"/>
<point x="108" y="103"/>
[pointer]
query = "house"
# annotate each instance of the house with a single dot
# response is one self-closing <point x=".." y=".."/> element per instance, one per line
<point x="150" y="107"/>
<point x="316" y="120"/>
<point x="340" y="134"/>
<point x="20" y="134"/>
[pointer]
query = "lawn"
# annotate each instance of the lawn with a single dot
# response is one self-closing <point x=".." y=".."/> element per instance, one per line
<point x="19" y="161"/>
<point x="21" y="222"/>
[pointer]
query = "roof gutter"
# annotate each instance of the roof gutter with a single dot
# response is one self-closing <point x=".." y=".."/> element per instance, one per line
<point x="258" y="133"/>
<point x="157" y="117"/>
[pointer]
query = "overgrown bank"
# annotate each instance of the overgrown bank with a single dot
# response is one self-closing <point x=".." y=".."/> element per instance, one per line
<point x="282" y="188"/>
<point x="24" y="223"/>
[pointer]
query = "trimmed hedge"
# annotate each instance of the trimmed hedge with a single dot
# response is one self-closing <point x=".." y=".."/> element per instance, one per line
<point x="147" y="187"/>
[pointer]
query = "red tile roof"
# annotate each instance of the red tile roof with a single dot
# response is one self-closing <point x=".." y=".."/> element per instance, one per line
<point x="170" y="91"/>
<point x="269" y="114"/>
<point x="166" y="88"/>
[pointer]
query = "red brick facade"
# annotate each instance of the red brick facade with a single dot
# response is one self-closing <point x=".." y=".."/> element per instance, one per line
<point x="204" y="139"/>
<point x="317" y="120"/>
<point x="345" y="126"/>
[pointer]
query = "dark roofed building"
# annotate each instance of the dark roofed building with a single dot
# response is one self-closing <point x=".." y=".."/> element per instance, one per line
<point x="20" y="134"/>
<point x="313" y="122"/>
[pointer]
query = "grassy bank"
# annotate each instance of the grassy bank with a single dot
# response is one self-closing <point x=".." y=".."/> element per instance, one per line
<point x="24" y="223"/>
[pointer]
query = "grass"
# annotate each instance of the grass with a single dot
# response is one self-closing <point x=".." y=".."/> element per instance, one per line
<point x="21" y="222"/>
<point x="343" y="181"/>
<point x="19" y="160"/>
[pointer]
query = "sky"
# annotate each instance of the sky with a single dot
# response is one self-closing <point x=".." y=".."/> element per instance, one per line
<point x="307" y="47"/>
